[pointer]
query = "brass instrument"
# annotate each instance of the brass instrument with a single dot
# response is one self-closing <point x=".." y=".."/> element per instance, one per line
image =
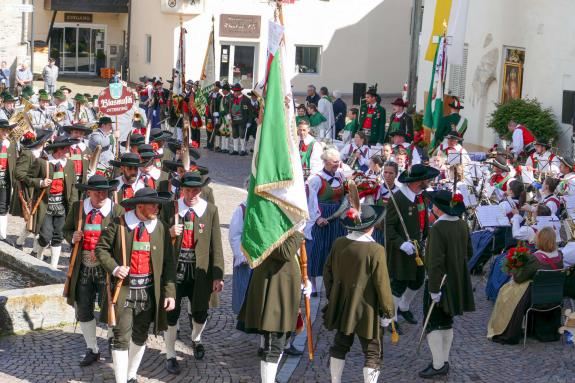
<point x="77" y="112"/>
<point x="137" y="117"/>
<point x="352" y="158"/>
<point x="58" y="117"/>
<point x="22" y="119"/>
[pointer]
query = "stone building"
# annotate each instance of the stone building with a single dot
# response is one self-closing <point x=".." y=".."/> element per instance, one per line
<point x="14" y="35"/>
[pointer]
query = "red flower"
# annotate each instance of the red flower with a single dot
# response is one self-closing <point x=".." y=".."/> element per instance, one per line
<point x="155" y="146"/>
<point x="30" y="136"/>
<point x="457" y="198"/>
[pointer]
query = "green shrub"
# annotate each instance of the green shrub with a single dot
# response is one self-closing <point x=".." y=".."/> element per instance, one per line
<point x="528" y="112"/>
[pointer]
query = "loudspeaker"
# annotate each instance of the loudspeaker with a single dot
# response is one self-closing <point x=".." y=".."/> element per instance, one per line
<point x="359" y="89"/>
<point x="568" y="107"/>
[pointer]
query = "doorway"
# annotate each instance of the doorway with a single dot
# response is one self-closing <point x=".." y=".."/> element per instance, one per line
<point x="238" y="63"/>
<point x="78" y="48"/>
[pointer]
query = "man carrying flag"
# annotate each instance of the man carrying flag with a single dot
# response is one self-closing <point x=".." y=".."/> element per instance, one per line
<point x="275" y="214"/>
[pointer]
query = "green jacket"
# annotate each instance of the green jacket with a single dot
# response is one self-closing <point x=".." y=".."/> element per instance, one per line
<point x="447" y="125"/>
<point x="209" y="253"/>
<point x="448" y="251"/>
<point x="37" y="173"/>
<point x="70" y="227"/>
<point x="402" y="266"/>
<point x="273" y="295"/>
<point x="109" y="253"/>
<point x="377" y="126"/>
<point x="356" y="299"/>
<point x="17" y="172"/>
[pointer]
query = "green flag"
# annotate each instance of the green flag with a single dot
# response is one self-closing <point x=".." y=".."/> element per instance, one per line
<point x="277" y="204"/>
<point x="433" y="118"/>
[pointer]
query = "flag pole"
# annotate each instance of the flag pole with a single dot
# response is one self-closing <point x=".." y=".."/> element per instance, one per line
<point x="303" y="265"/>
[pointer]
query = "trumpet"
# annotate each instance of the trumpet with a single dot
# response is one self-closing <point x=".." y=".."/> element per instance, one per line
<point x="137" y="117"/>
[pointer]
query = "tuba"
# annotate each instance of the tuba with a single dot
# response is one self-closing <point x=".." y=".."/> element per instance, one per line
<point x="22" y="120"/>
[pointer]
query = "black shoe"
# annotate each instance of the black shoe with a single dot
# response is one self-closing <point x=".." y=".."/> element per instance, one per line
<point x="251" y="150"/>
<point x="89" y="358"/>
<point x="217" y="149"/>
<point x="19" y="247"/>
<point x="173" y="367"/>
<point x="110" y="340"/>
<point x="243" y="153"/>
<point x="133" y="380"/>
<point x="199" y="350"/>
<point x="408" y="316"/>
<point x="397" y="328"/>
<point x="225" y="151"/>
<point x="292" y="351"/>
<point x="430" y="372"/>
<point x="260" y="352"/>
<point x="234" y="153"/>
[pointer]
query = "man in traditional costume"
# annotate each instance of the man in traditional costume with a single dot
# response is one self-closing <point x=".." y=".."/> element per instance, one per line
<point x="310" y="150"/>
<point x="372" y="118"/>
<point x="8" y="106"/>
<point x="356" y="299"/>
<point x="8" y="156"/>
<point x="521" y="137"/>
<point x="41" y="117"/>
<point x="239" y="112"/>
<point x="542" y="160"/>
<point x="448" y="250"/>
<point x="406" y="228"/>
<point x="57" y="176"/>
<point x="88" y="277"/>
<point x="106" y="139"/>
<point x="129" y="181"/>
<point x="400" y="121"/>
<point x="567" y="184"/>
<point x="195" y="231"/>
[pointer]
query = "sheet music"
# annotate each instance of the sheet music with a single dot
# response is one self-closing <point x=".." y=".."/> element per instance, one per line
<point x="474" y="170"/>
<point x="454" y="159"/>
<point x="491" y="216"/>
<point x="469" y="199"/>
<point x="527" y="175"/>
<point x="552" y="222"/>
<point x="488" y="189"/>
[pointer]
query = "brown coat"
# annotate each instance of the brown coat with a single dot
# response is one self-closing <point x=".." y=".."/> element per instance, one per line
<point x="357" y="288"/>
<point x="209" y="253"/>
<point x="273" y="295"/>
<point x="109" y="253"/>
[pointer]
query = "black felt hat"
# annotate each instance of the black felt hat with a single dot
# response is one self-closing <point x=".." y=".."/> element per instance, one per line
<point x="5" y="124"/>
<point x="174" y="145"/>
<point x="194" y="180"/>
<point x="158" y="134"/>
<point x="418" y="172"/>
<point x="98" y="183"/>
<point x="135" y="140"/>
<point x="128" y="159"/>
<point x="499" y="162"/>
<point x="147" y="152"/>
<point x="80" y="127"/>
<point x="61" y="142"/>
<point x="146" y="195"/>
<point x="446" y="202"/>
<point x="369" y="216"/>
<point x="32" y="139"/>
<point x="172" y="166"/>
<point x="104" y="120"/>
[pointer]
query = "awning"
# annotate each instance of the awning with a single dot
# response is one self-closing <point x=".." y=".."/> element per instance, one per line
<point x="107" y="6"/>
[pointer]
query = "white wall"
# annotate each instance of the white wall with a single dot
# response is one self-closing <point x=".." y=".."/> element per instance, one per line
<point x="543" y="28"/>
<point x="367" y="43"/>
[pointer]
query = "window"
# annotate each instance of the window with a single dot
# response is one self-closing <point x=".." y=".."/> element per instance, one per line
<point x="148" y="49"/>
<point x="307" y="59"/>
<point x="457" y="74"/>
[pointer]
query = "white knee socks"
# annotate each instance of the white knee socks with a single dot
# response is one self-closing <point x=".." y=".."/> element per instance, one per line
<point x="336" y="369"/>
<point x="197" y="331"/>
<point x="435" y="341"/>
<point x="406" y="299"/>
<point x="89" y="333"/>
<point x="135" y="355"/>
<point x="120" y="362"/>
<point x="170" y="341"/>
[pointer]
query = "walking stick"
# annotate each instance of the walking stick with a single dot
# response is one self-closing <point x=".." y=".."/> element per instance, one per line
<point x="123" y="245"/>
<point x="74" y="251"/>
<point x="111" y="311"/>
<point x="303" y="265"/>
<point x="429" y="315"/>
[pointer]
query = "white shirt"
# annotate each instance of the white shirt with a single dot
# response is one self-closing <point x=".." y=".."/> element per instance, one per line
<point x="568" y="255"/>
<point x="199" y="208"/>
<point x="314" y="184"/>
<point x="407" y="192"/>
<point x="54" y="161"/>
<point x="235" y="234"/>
<point x="135" y="186"/>
<point x="363" y="160"/>
<point x="546" y="162"/>
<point x="517" y="141"/>
<point x="104" y="210"/>
<point x="132" y="221"/>
<point x="446" y="217"/>
<point x="360" y="236"/>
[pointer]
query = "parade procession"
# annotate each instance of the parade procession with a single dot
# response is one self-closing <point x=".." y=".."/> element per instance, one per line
<point x="224" y="219"/>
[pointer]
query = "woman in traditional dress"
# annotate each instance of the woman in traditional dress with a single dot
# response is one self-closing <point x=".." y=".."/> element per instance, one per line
<point x="505" y="324"/>
<point x="325" y="194"/>
<point x="356" y="153"/>
<point x="316" y="122"/>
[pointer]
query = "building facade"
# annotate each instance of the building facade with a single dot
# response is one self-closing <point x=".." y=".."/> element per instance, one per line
<point x="330" y="43"/>
<point x="14" y="35"/>
<point x="513" y="49"/>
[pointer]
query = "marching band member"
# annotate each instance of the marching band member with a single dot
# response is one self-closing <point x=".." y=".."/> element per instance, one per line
<point x="514" y="192"/>
<point x="150" y="173"/>
<point x="8" y="157"/>
<point x="129" y="181"/>
<point x="526" y="232"/>
<point x="58" y="198"/>
<point x="399" y="144"/>
<point x="438" y="162"/>
<point x="448" y="250"/>
<point x="452" y="144"/>
<point x="32" y="145"/>
<point x="543" y="160"/>
<point x="223" y="132"/>
<point x="501" y="173"/>
<point x="548" y="197"/>
<point x="567" y="170"/>
<point x="356" y="153"/>
<point x="199" y="261"/>
<point x="325" y="192"/>
<point x="388" y="186"/>
<point x="386" y="152"/>
<point x="79" y="114"/>
<point x="239" y="113"/>
<point x="136" y="140"/>
<point x="104" y="137"/>
<point x="148" y="276"/>
<point x="212" y="116"/>
<point x="310" y="150"/>
<point x="402" y="161"/>
<point x="8" y="106"/>
<point x="411" y="209"/>
<point x="521" y="137"/>
<point x="375" y="169"/>
<point x="88" y="278"/>
<point x="176" y="172"/>
<point x="356" y="299"/>
<point x="41" y="117"/>
<point x="79" y="152"/>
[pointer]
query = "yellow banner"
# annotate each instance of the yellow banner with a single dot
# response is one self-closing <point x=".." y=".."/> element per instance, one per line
<point x="442" y="11"/>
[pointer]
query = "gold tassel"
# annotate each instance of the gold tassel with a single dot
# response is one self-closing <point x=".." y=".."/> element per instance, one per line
<point x="418" y="260"/>
<point x="394" y="334"/>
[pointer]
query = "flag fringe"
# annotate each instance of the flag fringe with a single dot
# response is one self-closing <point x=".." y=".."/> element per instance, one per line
<point x="282" y="204"/>
<point x="255" y="263"/>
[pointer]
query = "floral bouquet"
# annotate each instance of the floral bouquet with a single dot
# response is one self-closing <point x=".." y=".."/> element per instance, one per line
<point x="515" y="259"/>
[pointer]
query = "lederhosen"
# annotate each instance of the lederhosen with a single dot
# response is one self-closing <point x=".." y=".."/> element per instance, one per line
<point x="92" y="278"/>
<point x="51" y="229"/>
<point x="185" y="271"/>
<point x="4" y="180"/>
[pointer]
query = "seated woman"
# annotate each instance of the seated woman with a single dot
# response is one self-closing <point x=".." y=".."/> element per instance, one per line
<point x="356" y="153"/>
<point x="505" y="324"/>
<point x="548" y="196"/>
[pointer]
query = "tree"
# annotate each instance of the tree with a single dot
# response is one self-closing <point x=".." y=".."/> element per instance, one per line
<point x="528" y="112"/>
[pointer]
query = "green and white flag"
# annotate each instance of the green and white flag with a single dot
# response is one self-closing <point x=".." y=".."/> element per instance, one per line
<point x="433" y="116"/>
<point x="277" y="204"/>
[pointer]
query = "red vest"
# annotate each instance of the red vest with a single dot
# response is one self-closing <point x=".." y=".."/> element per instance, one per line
<point x="57" y="185"/>
<point x="92" y="230"/>
<point x="188" y="234"/>
<point x="527" y="135"/>
<point x="4" y="157"/>
<point x="140" y="259"/>
<point x="368" y="121"/>
<point x="76" y="156"/>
